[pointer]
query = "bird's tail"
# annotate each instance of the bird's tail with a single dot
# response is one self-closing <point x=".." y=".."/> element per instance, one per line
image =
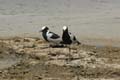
<point x="78" y="42"/>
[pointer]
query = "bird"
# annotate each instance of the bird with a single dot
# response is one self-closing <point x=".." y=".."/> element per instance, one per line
<point x="49" y="36"/>
<point x="68" y="39"/>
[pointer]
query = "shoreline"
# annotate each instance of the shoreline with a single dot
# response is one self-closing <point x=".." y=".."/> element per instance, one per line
<point x="98" y="42"/>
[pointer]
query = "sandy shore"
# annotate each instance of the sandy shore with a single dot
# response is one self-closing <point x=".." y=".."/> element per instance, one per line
<point x="32" y="59"/>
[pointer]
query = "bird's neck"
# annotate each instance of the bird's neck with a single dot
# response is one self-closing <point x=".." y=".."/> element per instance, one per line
<point x="66" y="33"/>
<point x="44" y="34"/>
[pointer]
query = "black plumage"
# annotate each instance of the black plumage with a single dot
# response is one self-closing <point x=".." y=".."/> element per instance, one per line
<point x="68" y="38"/>
<point x="54" y="36"/>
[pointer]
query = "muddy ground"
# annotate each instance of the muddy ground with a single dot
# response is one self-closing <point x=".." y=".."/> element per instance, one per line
<point x="33" y="59"/>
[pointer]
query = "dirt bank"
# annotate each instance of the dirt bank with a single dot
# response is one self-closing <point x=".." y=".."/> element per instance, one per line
<point x="32" y="59"/>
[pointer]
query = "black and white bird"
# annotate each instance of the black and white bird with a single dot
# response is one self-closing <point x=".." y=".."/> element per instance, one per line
<point x="68" y="38"/>
<point x="49" y="36"/>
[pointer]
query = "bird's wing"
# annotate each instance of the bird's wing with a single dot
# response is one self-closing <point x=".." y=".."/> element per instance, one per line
<point x="73" y="38"/>
<point x="52" y="35"/>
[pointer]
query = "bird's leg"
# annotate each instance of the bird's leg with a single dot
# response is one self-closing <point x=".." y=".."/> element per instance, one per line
<point x="49" y="48"/>
<point x="69" y="55"/>
<point x="69" y="49"/>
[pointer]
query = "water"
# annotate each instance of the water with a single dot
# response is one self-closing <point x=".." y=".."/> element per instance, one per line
<point x="93" y="21"/>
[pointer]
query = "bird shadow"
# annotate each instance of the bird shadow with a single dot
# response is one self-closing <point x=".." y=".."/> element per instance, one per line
<point x="57" y="46"/>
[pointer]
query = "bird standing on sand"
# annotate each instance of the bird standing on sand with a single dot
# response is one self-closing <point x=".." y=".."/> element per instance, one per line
<point x="68" y="38"/>
<point x="50" y="36"/>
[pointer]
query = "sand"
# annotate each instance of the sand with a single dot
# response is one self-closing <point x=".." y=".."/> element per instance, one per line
<point x="34" y="60"/>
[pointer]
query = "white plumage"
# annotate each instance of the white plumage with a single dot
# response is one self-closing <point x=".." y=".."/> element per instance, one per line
<point x="50" y="36"/>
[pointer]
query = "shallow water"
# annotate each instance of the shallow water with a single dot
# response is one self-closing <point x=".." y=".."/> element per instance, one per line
<point x="90" y="20"/>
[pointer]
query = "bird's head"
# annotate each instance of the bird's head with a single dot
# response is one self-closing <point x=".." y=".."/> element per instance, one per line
<point x="65" y="28"/>
<point x="44" y="28"/>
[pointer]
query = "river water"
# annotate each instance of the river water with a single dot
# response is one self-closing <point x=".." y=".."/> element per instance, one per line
<point x="92" y="21"/>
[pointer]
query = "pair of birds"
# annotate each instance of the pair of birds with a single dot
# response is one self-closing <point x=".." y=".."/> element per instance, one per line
<point x="67" y="37"/>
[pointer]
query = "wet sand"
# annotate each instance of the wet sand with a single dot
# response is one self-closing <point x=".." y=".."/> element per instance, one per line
<point x="34" y="60"/>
